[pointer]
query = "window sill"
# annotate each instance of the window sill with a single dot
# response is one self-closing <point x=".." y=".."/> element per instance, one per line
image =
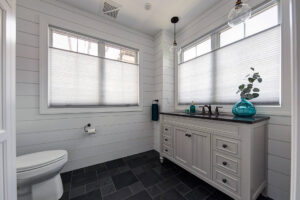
<point x="262" y="110"/>
<point x="63" y="110"/>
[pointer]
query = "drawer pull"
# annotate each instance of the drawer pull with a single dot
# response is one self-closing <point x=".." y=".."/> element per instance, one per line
<point x="166" y="129"/>
<point x="225" y="146"/>
<point x="188" y="135"/>
<point x="166" y="150"/>
<point x="166" y="140"/>
<point x="224" y="163"/>
<point x="224" y="180"/>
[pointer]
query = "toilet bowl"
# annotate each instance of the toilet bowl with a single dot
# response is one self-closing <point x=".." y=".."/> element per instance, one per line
<point x="38" y="175"/>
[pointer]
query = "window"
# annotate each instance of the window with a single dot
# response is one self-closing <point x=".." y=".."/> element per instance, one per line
<point x="198" y="49"/>
<point x="214" y="77"/>
<point x="231" y="35"/>
<point x="88" y="72"/>
<point x="262" y="20"/>
<point x="120" y="53"/>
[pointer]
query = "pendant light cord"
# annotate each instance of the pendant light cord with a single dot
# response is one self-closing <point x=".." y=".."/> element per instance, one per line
<point x="175" y="33"/>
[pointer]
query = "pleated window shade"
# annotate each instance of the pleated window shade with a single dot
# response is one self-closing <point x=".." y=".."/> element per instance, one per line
<point x="79" y="77"/>
<point x="214" y="77"/>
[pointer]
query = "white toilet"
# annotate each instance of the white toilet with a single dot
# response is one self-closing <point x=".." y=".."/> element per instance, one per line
<point x="38" y="175"/>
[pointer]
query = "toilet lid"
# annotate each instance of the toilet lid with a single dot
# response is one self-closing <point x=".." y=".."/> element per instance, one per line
<point x="40" y="159"/>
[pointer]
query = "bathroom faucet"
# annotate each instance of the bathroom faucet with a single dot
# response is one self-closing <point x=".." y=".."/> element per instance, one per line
<point x="209" y="109"/>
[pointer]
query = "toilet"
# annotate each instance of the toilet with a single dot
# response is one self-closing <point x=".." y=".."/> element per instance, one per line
<point x="38" y="175"/>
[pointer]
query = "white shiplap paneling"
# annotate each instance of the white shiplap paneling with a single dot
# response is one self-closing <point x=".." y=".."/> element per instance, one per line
<point x="118" y="134"/>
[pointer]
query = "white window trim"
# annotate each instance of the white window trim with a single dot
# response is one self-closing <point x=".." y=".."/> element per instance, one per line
<point x="45" y="21"/>
<point x="285" y="108"/>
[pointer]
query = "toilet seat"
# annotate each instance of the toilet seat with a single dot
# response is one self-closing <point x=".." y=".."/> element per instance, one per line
<point x="38" y="160"/>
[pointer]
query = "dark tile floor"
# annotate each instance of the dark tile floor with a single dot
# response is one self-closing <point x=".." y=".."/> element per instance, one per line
<point x="137" y="177"/>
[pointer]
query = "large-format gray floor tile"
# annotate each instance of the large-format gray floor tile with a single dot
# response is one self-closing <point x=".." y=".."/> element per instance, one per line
<point x="197" y="194"/>
<point x="124" y="179"/>
<point x="140" y="196"/>
<point x="149" y="178"/>
<point x="94" y="195"/>
<point x="137" y="177"/>
<point x="171" y="195"/>
<point x="119" y="195"/>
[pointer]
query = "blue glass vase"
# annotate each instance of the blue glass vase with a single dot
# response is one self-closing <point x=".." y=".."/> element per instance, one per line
<point x="244" y="108"/>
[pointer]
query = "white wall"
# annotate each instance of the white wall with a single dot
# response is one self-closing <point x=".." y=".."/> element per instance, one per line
<point x="118" y="134"/>
<point x="280" y="124"/>
<point x="164" y="77"/>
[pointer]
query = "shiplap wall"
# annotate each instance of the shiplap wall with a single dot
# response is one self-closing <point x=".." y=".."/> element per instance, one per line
<point x="118" y="134"/>
<point x="164" y="77"/>
<point x="279" y="142"/>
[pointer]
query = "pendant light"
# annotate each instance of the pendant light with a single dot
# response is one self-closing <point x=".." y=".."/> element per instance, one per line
<point x="240" y="13"/>
<point x="174" y="20"/>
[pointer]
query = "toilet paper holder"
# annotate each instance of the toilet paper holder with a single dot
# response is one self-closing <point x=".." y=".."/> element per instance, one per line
<point x="88" y="129"/>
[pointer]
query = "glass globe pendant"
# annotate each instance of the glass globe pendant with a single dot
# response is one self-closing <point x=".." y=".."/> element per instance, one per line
<point x="174" y="20"/>
<point x="240" y="13"/>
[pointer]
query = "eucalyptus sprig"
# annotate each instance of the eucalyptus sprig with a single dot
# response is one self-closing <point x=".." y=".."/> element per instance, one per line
<point x="247" y="90"/>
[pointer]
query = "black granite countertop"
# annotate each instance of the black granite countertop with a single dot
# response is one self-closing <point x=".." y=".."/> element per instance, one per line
<point x="222" y="117"/>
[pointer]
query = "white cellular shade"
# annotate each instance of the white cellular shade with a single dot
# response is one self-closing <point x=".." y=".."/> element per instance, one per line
<point x="195" y="80"/>
<point x="120" y="83"/>
<point x="82" y="80"/>
<point x="215" y="77"/>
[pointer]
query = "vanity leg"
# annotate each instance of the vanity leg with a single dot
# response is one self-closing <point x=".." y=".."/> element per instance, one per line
<point x="161" y="159"/>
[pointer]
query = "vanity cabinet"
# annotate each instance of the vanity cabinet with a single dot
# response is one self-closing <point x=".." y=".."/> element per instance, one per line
<point x="229" y="156"/>
<point x="182" y="145"/>
<point x="201" y="159"/>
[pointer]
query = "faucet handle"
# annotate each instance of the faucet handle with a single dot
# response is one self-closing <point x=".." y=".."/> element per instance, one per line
<point x="203" y="109"/>
<point x="217" y="110"/>
<point x="209" y="109"/>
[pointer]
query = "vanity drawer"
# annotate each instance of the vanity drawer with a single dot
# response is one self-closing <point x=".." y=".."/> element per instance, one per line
<point x="227" y="181"/>
<point x="167" y="150"/>
<point x="227" y="145"/>
<point x="227" y="163"/>
<point x="167" y="130"/>
<point x="167" y="141"/>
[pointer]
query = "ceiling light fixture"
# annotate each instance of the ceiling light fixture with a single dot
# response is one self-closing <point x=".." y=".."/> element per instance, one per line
<point x="240" y="13"/>
<point x="174" y="20"/>
<point x="148" y="6"/>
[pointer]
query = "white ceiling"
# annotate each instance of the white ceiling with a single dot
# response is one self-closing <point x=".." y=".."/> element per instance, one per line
<point x="133" y="14"/>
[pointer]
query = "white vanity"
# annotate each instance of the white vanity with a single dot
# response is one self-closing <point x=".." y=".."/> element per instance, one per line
<point x="228" y="153"/>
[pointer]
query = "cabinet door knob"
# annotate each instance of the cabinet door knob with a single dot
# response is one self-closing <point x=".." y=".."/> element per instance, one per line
<point x="224" y="163"/>
<point x="166" y="150"/>
<point x="166" y="129"/>
<point x="166" y="140"/>
<point x="224" y="180"/>
<point x="225" y="146"/>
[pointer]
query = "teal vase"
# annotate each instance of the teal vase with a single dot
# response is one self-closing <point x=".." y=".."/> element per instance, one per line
<point x="244" y="108"/>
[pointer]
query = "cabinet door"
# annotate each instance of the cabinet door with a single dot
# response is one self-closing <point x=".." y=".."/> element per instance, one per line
<point x="201" y="156"/>
<point x="183" y="145"/>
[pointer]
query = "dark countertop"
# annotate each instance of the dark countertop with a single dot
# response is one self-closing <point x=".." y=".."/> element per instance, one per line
<point x="222" y="117"/>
